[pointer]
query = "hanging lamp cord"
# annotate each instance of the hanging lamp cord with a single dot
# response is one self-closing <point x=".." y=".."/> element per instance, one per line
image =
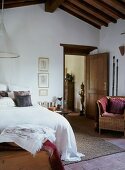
<point x="2" y="11"/>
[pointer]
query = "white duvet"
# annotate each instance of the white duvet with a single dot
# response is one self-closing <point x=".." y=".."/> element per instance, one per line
<point x="38" y="115"/>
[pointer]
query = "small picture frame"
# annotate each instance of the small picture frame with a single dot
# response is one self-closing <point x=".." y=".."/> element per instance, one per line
<point x="43" y="64"/>
<point x="43" y="80"/>
<point x="43" y="92"/>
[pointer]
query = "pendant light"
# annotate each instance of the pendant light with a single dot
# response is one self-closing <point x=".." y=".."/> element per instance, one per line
<point x="6" y="46"/>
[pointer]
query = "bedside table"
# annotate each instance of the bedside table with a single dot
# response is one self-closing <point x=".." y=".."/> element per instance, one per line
<point x="52" y="108"/>
<point x="62" y="112"/>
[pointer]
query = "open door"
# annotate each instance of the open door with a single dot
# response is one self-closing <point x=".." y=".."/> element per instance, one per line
<point x="71" y="49"/>
<point x="97" y="70"/>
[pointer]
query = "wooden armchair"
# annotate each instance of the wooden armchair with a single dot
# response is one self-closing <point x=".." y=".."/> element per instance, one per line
<point x="111" y="112"/>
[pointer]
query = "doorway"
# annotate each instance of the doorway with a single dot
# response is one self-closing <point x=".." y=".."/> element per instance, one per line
<point x="75" y="65"/>
<point x="75" y="51"/>
<point x="97" y="75"/>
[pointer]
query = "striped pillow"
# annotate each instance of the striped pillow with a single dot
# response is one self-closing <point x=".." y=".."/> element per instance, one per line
<point x="116" y="105"/>
<point x="104" y="104"/>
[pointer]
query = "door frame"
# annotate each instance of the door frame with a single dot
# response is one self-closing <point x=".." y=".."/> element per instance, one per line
<point x="71" y="49"/>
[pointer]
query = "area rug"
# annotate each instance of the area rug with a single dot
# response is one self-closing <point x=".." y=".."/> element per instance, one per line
<point x="90" y="145"/>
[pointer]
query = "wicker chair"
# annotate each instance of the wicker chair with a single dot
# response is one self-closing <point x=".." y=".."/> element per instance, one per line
<point x="111" y="118"/>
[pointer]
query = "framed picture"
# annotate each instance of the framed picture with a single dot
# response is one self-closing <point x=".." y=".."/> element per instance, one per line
<point x="43" y="64"/>
<point x="43" y="92"/>
<point x="43" y="80"/>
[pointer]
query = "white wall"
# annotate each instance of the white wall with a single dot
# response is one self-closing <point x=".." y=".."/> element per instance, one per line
<point x="110" y="40"/>
<point x="75" y="65"/>
<point x="36" y="33"/>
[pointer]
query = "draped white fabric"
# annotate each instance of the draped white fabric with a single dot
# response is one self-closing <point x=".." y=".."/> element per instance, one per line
<point x="28" y="136"/>
<point x="38" y="115"/>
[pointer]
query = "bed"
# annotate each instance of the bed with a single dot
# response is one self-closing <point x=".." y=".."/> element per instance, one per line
<point x="65" y="139"/>
<point x="24" y="161"/>
<point x="15" y="158"/>
<point x="37" y="115"/>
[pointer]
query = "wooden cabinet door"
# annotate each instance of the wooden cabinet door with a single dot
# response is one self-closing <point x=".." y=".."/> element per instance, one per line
<point x="97" y="70"/>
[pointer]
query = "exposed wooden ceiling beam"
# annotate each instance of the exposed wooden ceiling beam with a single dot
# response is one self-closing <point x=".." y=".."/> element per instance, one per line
<point x="85" y="7"/>
<point x="79" y="15"/>
<point x="18" y="3"/>
<point x="116" y="4"/>
<point x="104" y="7"/>
<point x="52" y="5"/>
<point x="89" y="12"/>
<point x="84" y="13"/>
<point x="96" y="11"/>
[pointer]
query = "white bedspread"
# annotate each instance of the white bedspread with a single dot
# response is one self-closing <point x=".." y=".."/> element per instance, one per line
<point x="38" y="115"/>
<point x="28" y="136"/>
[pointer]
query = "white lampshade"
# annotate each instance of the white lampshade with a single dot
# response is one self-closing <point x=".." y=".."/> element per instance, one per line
<point x="6" y="46"/>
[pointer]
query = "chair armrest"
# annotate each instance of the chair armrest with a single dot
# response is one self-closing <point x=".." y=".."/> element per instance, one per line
<point x="99" y="109"/>
<point x="124" y="114"/>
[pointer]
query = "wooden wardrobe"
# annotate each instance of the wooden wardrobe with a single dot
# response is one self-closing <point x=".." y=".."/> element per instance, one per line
<point x="69" y="95"/>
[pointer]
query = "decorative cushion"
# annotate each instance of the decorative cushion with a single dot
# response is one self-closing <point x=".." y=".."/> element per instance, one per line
<point x="13" y="94"/>
<point x="107" y="114"/>
<point x="21" y="93"/>
<point x="3" y="94"/>
<point x="23" y="101"/>
<point x="104" y="104"/>
<point x="116" y="105"/>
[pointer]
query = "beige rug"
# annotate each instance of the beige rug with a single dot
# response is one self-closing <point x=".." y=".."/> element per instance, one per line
<point x="88" y="143"/>
<point x="94" y="147"/>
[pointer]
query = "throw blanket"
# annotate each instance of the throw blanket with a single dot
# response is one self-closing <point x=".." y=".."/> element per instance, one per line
<point x="29" y="137"/>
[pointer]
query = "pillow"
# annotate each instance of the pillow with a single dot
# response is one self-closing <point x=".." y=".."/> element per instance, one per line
<point x="116" y="105"/>
<point x="21" y="93"/>
<point x="13" y="94"/>
<point x="6" y="102"/>
<point x="3" y="87"/>
<point x="103" y="103"/>
<point x="13" y="88"/>
<point x="3" y="94"/>
<point x="23" y="101"/>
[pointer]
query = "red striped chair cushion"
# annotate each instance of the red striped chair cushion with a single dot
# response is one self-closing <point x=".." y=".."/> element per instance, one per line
<point x="116" y="105"/>
<point x="104" y="104"/>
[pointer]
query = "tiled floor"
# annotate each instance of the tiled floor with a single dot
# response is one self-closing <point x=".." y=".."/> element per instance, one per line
<point x="110" y="162"/>
<point x="119" y="142"/>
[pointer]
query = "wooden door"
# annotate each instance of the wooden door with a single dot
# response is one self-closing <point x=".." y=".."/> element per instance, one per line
<point x="97" y="70"/>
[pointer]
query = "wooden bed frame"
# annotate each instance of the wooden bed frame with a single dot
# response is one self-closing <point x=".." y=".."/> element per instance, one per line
<point x="23" y="160"/>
